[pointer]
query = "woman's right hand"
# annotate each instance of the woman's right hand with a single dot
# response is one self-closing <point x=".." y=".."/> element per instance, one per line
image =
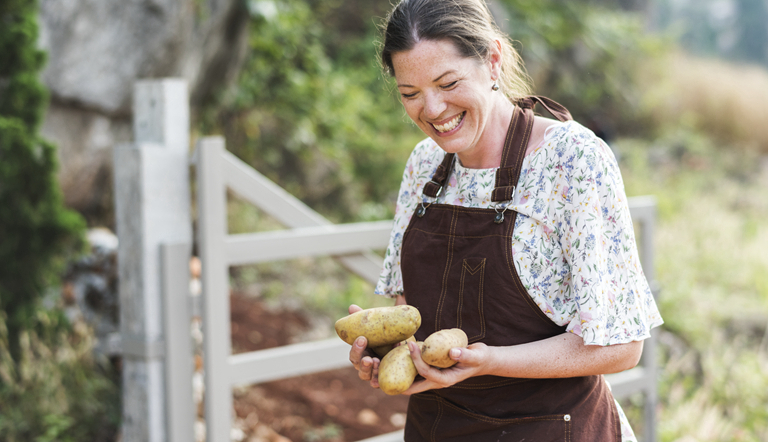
<point x="366" y="363"/>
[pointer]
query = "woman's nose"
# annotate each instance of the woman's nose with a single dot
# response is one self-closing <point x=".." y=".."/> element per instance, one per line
<point x="434" y="106"/>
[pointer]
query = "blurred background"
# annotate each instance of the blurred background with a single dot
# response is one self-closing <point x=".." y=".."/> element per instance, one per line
<point x="678" y="88"/>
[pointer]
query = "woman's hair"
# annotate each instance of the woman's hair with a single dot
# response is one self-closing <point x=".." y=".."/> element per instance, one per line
<point x="467" y="23"/>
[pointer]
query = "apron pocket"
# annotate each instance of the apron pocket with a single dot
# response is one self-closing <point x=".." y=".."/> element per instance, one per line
<point x="455" y="424"/>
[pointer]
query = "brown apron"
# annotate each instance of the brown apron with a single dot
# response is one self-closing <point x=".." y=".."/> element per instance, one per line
<point x="458" y="271"/>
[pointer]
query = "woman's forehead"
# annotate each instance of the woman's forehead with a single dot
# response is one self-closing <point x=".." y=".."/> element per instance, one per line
<point x="428" y="61"/>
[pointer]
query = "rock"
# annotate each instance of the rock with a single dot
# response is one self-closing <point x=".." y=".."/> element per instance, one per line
<point x="97" y="49"/>
<point x="366" y="416"/>
<point x="89" y="290"/>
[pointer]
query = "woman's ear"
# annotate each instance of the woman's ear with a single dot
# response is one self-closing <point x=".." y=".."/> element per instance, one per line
<point x="495" y="56"/>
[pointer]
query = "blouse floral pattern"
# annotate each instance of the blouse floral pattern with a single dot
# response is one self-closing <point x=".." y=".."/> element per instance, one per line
<point x="573" y="241"/>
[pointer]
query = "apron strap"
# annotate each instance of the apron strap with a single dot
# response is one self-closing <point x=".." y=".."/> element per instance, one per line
<point x="434" y="187"/>
<point x="518" y="137"/>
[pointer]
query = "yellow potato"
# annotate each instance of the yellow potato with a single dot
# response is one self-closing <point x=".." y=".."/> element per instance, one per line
<point x="384" y="349"/>
<point x="396" y="370"/>
<point x="380" y="326"/>
<point x="438" y="344"/>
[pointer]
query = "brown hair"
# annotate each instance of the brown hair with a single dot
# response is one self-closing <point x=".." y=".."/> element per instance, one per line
<point x="467" y="23"/>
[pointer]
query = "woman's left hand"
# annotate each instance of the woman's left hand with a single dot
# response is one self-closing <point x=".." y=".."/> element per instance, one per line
<point x="472" y="361"/>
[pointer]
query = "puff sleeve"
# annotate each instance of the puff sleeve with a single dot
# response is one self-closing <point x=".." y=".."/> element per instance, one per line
<point x="611" y="300"/>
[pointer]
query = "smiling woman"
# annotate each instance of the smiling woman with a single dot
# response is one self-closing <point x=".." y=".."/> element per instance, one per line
<point x="521" y="238"/>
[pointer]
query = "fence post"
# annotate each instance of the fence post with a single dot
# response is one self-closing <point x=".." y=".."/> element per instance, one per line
<point x="152" y="208"/>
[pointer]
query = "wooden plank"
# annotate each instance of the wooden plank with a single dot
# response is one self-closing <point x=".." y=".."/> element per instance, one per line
<point x="268" y="196"/>
<point x="395" y="436"/>
<point x="212" y="230"/>
<point x="290" y="211"/>
<point x="627" y="382"/>
<point x="288" y="361"/>
<point x="179" y="363"/>
<point x="307" y="241"/>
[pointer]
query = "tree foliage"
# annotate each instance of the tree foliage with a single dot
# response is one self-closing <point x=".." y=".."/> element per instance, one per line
<point x="312" y="111"/>
<point x="35" y="229"/>
<point x="587" y="55"/>
<point x="51" y="388"/>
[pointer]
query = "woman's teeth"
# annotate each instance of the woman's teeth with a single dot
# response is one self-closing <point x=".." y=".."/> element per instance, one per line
<point x="449" y="125"/>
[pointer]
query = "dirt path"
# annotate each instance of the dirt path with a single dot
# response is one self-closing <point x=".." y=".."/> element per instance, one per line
<point x="332" y="406"/>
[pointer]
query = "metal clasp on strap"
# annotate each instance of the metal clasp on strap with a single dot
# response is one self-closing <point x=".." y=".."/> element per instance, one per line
<point x="422" y="209"/>
<point x="499" y="218"/>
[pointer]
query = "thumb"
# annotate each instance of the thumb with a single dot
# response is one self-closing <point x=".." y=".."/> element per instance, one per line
<point x="466" y="355"/>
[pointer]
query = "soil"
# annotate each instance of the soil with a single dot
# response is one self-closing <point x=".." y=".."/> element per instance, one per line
<point x="333" y="406"/>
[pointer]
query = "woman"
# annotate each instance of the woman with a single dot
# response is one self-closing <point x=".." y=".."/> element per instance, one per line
<point x="514" y="228"/>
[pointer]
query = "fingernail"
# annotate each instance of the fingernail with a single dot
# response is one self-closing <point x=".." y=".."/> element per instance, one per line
<point x="455" y="353"/>
<point x="360" y="341"/>
<point x="366" y="362"/>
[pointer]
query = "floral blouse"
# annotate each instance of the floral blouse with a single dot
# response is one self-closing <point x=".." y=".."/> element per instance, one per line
<point x="573" y="242"/>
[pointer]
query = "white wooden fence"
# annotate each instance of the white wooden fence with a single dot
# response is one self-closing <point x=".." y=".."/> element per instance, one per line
<point x="154" y="229"/>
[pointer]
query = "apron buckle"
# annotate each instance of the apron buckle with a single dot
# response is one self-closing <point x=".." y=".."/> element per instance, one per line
<point x="499" y="218"/>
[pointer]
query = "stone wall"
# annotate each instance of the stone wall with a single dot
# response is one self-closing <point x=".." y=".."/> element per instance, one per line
<point x="97" y="49"/>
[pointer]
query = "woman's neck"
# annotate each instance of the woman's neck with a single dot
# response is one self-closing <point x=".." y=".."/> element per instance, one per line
<point x="487" y="153"/>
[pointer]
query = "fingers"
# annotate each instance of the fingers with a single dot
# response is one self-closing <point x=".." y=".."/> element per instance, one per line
<point x="424" y="369"/>
<point x="353" y="308"/>
<point x="375" y="373"/>
<point x="367" y="366"/>
<point x="365" y="369"/>
<point x="358" y="351"/>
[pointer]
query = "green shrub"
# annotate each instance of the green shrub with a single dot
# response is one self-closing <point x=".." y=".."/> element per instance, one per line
<point x="51" y="388"/>
<point x="36" y="231"/>
<point x="54" y="389"/>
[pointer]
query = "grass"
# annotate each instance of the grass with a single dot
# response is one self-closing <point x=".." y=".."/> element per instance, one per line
<point x="714" y="96"/>
<point x="711" y="262"/>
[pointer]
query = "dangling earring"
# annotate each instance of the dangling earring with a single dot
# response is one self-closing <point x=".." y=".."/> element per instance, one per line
<point x="495" y="87"/>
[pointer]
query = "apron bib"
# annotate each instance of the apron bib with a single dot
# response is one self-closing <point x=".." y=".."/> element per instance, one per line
<point x="458" y="270"/>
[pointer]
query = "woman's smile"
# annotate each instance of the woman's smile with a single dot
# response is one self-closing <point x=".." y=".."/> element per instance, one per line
<point x="451" y="126"/>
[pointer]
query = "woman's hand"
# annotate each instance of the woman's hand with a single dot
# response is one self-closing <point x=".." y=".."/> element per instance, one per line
<point x="365" y="362"/>
<point x="472" y="361"/>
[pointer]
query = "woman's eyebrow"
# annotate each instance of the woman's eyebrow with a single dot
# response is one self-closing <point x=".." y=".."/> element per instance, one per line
<point x="450" y="71"/>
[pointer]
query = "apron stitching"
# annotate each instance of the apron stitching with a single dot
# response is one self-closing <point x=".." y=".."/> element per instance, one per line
<point x="444" y="288"/>
<point x="510" y="135"/>
<point x="461" y="297"/>
<point x="494" y="420"/>
<point x="480" y="302"/>
<point x="437" y="420"/>
<point x="488" y="385"/>
<point x="463" y="236"/>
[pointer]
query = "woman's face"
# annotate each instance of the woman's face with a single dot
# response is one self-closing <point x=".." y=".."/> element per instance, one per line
<point x="447" y="95"/>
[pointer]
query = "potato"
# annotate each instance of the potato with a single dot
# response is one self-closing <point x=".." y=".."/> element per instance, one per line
<point x="384" y="349"/>
<point x="396" y="370"/>
<point x="380" y="326"/>
<point x="438" y="344"/>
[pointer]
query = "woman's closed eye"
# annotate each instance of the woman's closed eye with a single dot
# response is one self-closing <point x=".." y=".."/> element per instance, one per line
<point x="449" y="86"/>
